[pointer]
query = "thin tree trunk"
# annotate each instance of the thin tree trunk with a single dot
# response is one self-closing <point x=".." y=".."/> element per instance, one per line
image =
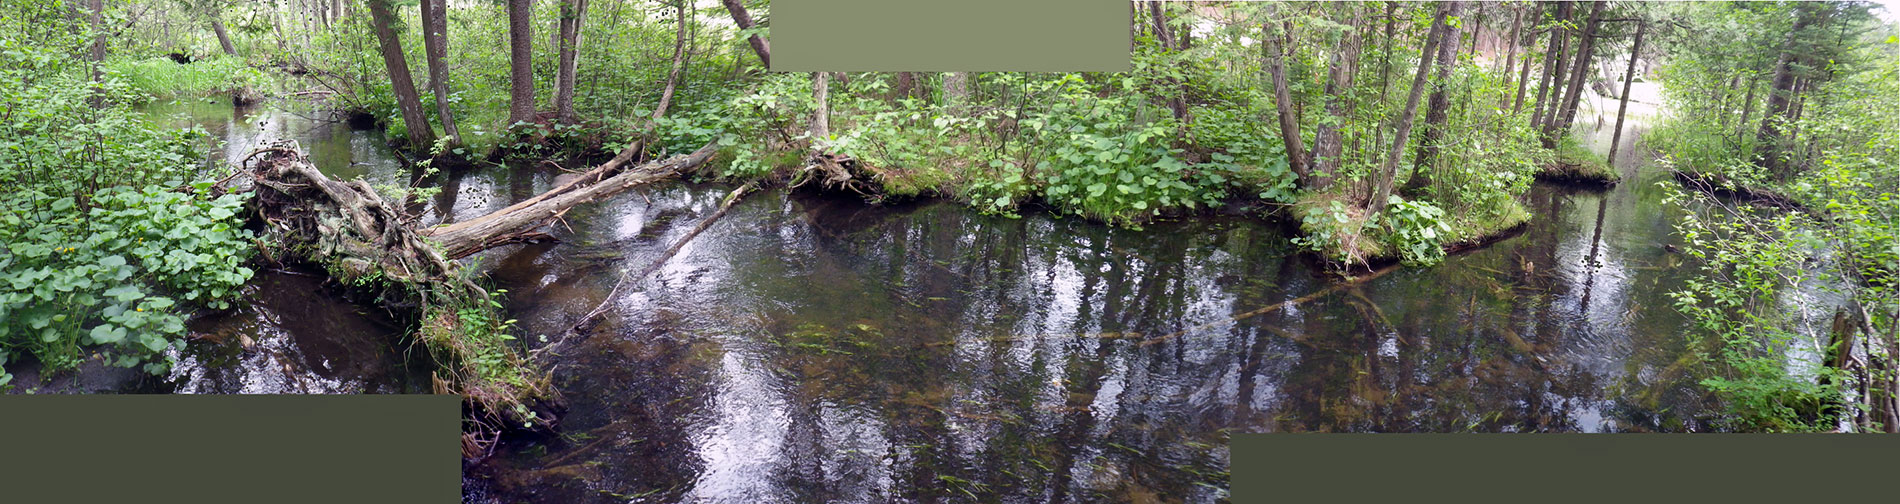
<point x="224" y="37"/>
<point x="744" y="21"/>
<point x="435" y="42"/>
<point x="956" y="89"/>
<point x="1523" y="78"/>
<point x="1275" y="46"/>
<point x="1554" y="58"/>
<point x="1389" y="172"/>
<point x="1579" y="71"/>
<point x="821" y="115"/>
<point x="679" y="61"/>
<point x="421" y="135"/>
<point x="521" y="61"/>
<point x="1438" y="107"/>
<point x="1328" y="140"/>
<point x="572" y="12"/>
<point x="1510" y="43"/>
<point x="1636" y="48"/>
<point x="1748" y="102"/>
<point x="1780" y="100"/>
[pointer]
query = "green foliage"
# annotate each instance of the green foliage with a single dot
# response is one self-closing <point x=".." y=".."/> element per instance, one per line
<point x="1835" y="223"/>
<point x="1416" y="230"/>
<point x="106" y="246"/>
<point x="162" y="78"/>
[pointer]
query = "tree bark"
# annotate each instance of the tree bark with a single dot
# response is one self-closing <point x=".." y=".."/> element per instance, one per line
<point x="421" y="135"/>
<point x="1389" y="172"/>
<point x="521" y="61"/>
<point x="1580" y="69"/>
<point x="1769" y="138"/>
<point x="1523" y="78"/>
<point x="679" y="61"/>
<point x="956" y="89"/>
<point x="1553" y="66"/>
<point x="1275" y="46"/>
<point x="1438" y="107"/>
<point x="1510" y="42"/>
<point x="572" y="12"/>
<point x="435" y="42"/>
<point x="821" y="114"/>
<point x="1328" y="140"/>
<point x="744" y="21"/>
<point x="1629" y="75"/>
<point x="224" y="37"/>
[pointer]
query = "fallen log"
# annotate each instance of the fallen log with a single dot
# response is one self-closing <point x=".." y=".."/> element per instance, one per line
<point x="363" y="240"/>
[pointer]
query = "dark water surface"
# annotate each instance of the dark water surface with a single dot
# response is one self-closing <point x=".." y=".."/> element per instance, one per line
<point x="808" y="349"/>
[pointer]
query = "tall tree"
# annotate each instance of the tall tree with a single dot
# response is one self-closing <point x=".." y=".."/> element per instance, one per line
<point x="744" y="21"/>
<point x="435" y="43"/>
<point x="1276" y="46"/>
<point x="521" y="61"/>
<point x="1438" y="107"/>
<point x="1629" y="75"/>
<point x="1389" y="170"/>
<point x="1553" y="65"/>
<point x="1579" y="70"/>
<point x="1328" y="140"/>
<point x="382" y="21"/>
<point x="1773" y="132"/>
<point x="572" y="12"/>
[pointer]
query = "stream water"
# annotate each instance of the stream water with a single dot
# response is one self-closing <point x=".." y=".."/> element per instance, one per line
<point x="808" y="348"/>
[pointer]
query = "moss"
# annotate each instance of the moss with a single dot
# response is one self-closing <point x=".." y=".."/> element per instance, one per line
<point x="1575" y="165"/>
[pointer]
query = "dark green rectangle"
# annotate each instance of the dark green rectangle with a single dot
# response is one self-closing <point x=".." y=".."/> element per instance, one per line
<point x="950" y="35"/>
<point x="230" y="448"/>
<point x="1777" y="468"/>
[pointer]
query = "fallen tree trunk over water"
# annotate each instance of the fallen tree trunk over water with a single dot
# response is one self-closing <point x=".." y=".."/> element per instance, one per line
<point x="363" y="240"/>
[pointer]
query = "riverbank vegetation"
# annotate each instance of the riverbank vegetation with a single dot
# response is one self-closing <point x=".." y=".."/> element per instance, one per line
<point x="1785" y="121"/>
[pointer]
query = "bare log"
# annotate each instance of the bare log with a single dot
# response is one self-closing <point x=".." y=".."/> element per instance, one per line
<point x="518" y="221"/>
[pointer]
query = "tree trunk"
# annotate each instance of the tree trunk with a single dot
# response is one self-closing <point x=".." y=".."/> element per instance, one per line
<point x="1159" y="16"/>
<point x="679" y="61"/>
<point x="1275" y="47"/>
<point x="1177" y="104"/>
<point x="1748" y="102"/>
<point x="1510" y="43"/>
<point x="744" y="21"/>
<point x="1523" y="78"/>
<point x="421" y="135"/>
<point x="435" y="42"/>
<point x="1772" y="134"/>
<point x="1580" y="69"/>
<point x="98" y="49"/>
<point x="224" y="37"/>
<point x="1553" y="66"/>
<point x="1636" y="48"/>
<point x="956" y="89"/>
<point x="521" y="61"/>
<point x="1328" y="140"/>
<point x="572" y="12"/>
<point x="1438" y="108"/>
<point x="906" y="84"/>
<point x="821" y="114"/>
<point x="1389" y="172"/>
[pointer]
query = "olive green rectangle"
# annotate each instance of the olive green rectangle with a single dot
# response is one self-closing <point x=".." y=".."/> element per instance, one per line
<point x="230" y="448"/>
<point x="1775" y="468"/>
<point x="949" y="35"/>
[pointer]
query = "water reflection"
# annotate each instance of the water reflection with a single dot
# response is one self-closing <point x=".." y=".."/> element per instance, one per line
<point x="815" y="349"/>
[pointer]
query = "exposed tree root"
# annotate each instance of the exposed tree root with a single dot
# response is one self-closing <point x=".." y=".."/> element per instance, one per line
<point x="363" y="240"/>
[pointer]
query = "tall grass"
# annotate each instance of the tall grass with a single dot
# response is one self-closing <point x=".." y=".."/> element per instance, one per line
<point x="162" y="78"/>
